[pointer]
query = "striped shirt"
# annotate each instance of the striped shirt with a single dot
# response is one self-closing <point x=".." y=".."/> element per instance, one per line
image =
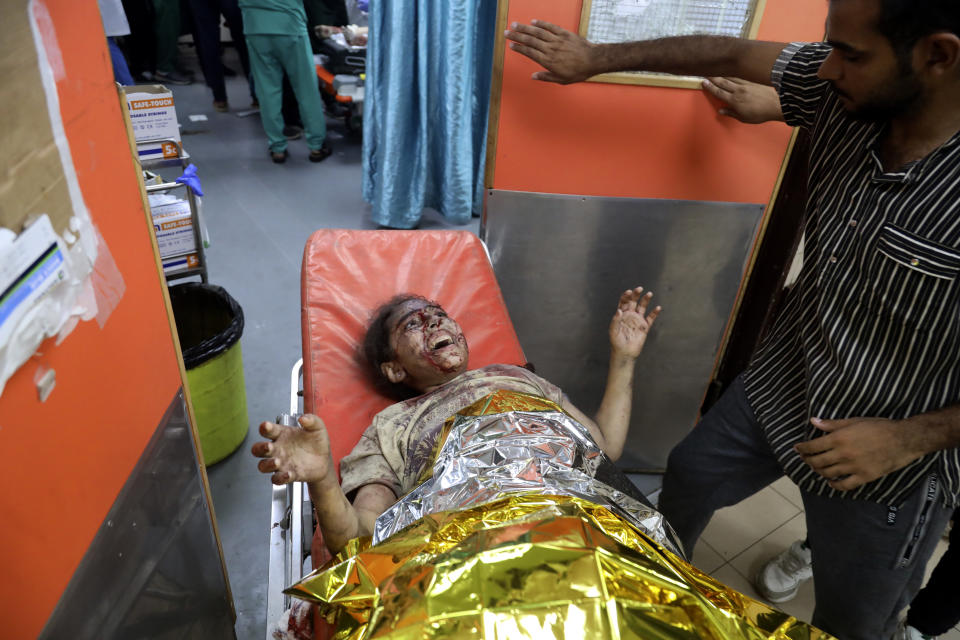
<point x="872" y="326"/>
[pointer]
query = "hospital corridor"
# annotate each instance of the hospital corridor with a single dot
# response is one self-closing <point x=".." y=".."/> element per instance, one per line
<point x="586" y="357"/>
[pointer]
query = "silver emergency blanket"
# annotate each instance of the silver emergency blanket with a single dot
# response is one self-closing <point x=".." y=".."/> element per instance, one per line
<point x="488" y="457"/>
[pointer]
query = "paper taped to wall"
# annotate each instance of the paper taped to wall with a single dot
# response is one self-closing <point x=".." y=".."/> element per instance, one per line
<point x="36" y="292"/>
<point x="55" y="268"/>
<point x="29" y="266"/>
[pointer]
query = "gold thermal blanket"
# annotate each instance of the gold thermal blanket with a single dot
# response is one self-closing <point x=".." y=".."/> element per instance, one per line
<point x="527" y="560"/>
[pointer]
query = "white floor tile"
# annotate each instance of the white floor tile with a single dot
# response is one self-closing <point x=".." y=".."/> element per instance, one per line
<point x="734" y="529"/>
<point x="785" y="487"/>
<point x="706" y="558"/>
<point x="749" y="563"/>
<point x="953" y="634"/>
<point x="731" y="578"/>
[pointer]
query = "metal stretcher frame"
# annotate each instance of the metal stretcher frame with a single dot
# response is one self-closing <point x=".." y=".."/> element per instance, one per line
<point x="289" y="534"/>
<point x="452" y="267"/>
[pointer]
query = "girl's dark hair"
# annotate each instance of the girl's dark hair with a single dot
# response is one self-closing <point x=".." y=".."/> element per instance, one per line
<point x="376" y="350"/>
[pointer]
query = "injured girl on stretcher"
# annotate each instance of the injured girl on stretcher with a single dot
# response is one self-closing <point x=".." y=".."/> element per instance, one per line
<point x="484" y="504"/>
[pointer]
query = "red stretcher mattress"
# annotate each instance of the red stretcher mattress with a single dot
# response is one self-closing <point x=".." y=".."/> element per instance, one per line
<point x="346" y="274"/>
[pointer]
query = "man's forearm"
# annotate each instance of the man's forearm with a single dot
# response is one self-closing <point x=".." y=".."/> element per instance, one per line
<point x="855" y="451"/>
<point x="567" y="57"/>
<point x="613" y="416"/>
<point x="934" y="431"/>
<point x="691" y="55"/>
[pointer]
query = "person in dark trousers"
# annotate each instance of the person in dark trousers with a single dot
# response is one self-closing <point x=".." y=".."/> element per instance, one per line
<point x="855" y="392"/>
<point x="140" y="47"/>
<point x="936" y="609"/>
<point x="933" y="611"/>
<point x="206" y="36"/>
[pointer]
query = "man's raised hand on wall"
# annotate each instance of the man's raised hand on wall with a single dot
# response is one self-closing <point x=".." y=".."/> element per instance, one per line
<point x="565" y="56"/>
<point x="748" y="102"/>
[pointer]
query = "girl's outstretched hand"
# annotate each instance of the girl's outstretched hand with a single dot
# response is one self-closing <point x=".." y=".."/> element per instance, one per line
<point x="631" y="323"/>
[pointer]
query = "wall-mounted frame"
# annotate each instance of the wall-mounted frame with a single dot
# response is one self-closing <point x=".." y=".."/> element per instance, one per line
<point x="608" y="21"/>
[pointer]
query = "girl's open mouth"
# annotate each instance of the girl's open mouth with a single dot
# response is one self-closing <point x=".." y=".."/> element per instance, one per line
<point x="441" y="342"/>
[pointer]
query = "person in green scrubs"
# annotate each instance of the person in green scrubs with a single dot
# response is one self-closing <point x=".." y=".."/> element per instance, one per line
<point x="277" y="40"/>
<point x="166" y="27"/>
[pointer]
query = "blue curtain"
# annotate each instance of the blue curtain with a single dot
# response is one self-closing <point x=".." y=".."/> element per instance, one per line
<point x="425" y="117"/>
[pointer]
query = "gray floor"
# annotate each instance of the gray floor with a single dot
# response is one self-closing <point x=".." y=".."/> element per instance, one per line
<point x="259" y="216"/>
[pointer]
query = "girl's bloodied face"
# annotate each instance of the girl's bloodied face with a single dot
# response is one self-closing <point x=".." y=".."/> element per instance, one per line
<point x="429" y="345"/>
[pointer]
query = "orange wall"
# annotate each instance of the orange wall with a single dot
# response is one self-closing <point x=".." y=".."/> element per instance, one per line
<point x="634" y="141"/>
<point x="65" y="460"/>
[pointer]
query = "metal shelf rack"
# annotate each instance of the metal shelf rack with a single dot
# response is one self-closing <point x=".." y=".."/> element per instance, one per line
<point x="182" y="160"/>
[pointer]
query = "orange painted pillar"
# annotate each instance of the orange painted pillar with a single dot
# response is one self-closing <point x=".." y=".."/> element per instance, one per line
<point x="66" y="459"/>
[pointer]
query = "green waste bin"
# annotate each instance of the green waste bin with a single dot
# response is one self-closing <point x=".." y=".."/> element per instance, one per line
<point x="210" y="323"/>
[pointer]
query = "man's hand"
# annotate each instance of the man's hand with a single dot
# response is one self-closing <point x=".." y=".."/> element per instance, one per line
<point x="631" y="323"/>
<point x="746" y="101"/>
<point x="296" y="454"/>
<point x="566" y="56"/>
<point x="858" y="450"/>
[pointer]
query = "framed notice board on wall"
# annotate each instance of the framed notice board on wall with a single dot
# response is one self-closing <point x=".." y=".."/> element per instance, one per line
<point x="609" y="21"/>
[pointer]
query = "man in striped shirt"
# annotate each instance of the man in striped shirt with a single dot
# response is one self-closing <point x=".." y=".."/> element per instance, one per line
<point x="855" y="393"/>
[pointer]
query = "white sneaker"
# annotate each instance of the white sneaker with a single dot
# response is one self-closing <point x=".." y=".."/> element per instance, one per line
<point x="906" y="632"/>
<point x="781" y="577"/>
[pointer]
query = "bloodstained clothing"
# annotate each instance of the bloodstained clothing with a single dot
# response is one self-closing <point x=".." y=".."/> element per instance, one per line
<point x="400" y="442"/>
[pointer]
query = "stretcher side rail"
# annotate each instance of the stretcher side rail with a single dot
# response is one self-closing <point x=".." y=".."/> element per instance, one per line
<point x="290" y="524"/>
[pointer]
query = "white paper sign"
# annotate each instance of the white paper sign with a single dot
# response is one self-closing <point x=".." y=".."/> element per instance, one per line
<point x="29" y="266"/>
<point x="632" y="7"/>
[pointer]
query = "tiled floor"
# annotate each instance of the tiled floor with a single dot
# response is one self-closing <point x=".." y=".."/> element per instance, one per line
<point x="741" y="538"/>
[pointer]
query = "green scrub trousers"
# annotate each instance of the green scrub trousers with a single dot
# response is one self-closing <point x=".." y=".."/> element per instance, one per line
<point x="271" y="56"/>
<point x="166" y="29"/>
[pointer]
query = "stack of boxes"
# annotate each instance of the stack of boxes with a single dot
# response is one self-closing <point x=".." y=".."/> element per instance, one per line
<point x="156" y="131"/>
<point x="173" y="225"/>
<point x="154" y="121"/>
